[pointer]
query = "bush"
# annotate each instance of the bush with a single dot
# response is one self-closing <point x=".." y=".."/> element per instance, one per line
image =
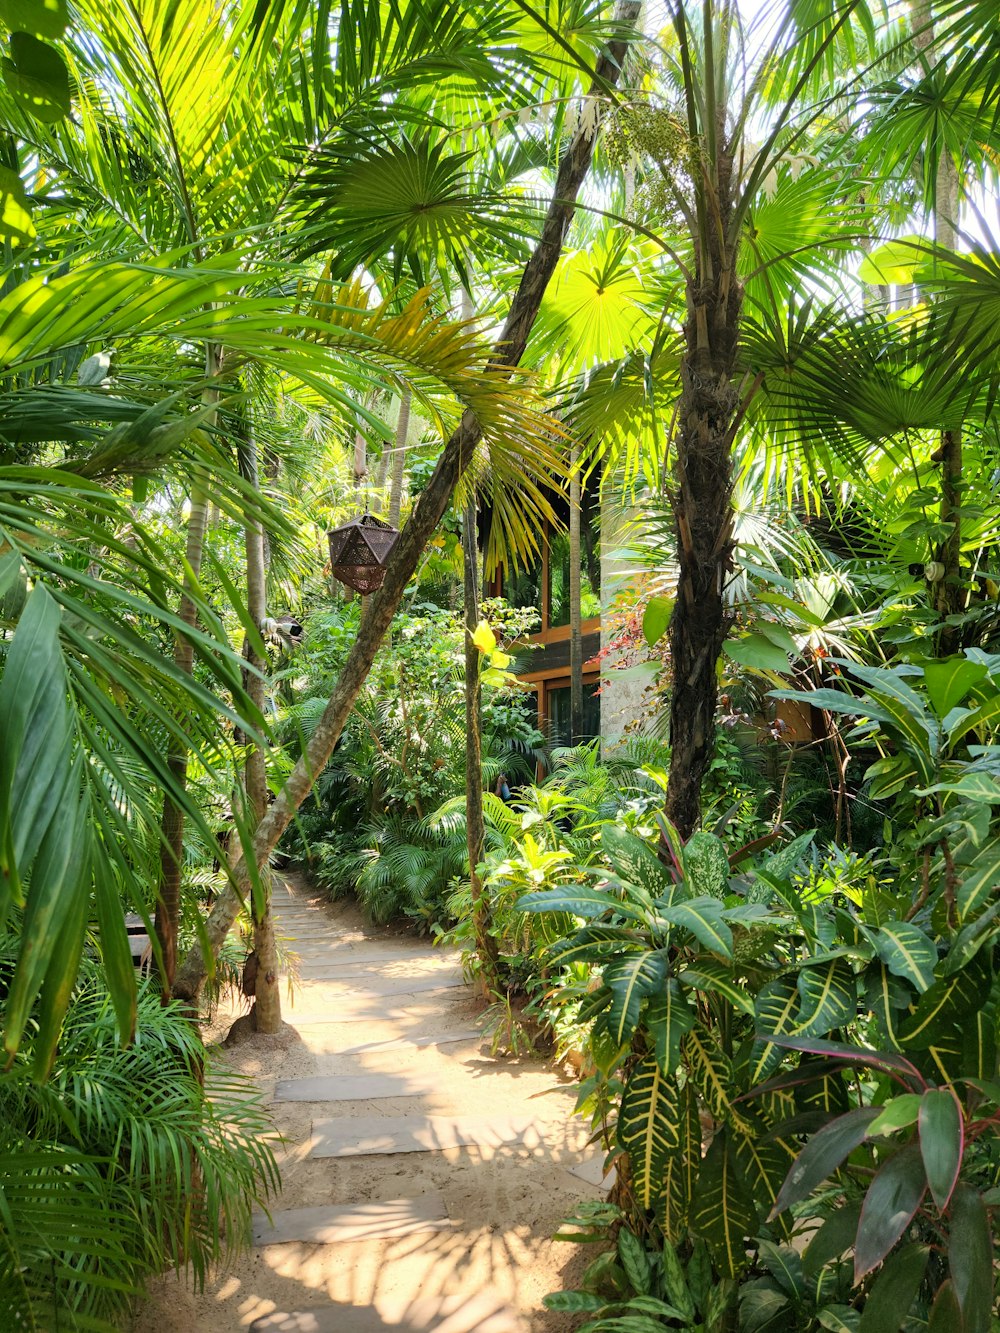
<point x="121" y="1166"/>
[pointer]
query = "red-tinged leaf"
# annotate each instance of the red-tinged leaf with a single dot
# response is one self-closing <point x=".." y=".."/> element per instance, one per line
<point x="946" y="1313"/>
<point x="895" y="1290"/>
<point x="942" y="1142"/>
<point x="970" y="1257"/>
<point x="823" y="1154"/>
<point x="806" y="1072"/>
<point x="897" y="1066"/>
<point x="889" y="1207"/>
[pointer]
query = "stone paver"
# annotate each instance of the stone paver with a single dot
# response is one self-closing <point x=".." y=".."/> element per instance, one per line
<point x="326" y="1225"/>
<point x="352" y="1087"/>
<point x="420" y="1133"/>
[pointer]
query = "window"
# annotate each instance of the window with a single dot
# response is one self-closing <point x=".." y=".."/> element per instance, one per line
<point x="557" y="708"/>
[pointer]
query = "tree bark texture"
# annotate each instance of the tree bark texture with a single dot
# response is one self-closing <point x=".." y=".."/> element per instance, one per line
<point x="575" y="610"/>
<point x="475" y="826"/>
<point x="168" y="893"/>
<point x="427" y="513"/>
<point x="267" y="993"/>
<point x="701" y="498"/>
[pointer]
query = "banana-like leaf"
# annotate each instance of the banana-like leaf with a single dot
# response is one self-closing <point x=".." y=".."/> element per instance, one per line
<point x="723" y="1213"/>
<point x="907" y="952"/>
<point x="631" y="980"/>
<point x="649" y="1127"/>
<point x="829" y="998"/>
<point x="668" y="1018"/>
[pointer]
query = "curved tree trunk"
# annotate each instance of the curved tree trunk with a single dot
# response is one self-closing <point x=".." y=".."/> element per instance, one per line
<point x="575" y="611"/>
<point x="427" y="513"/>
<point x="168" y="893"/>
<point x="267" y="996"/>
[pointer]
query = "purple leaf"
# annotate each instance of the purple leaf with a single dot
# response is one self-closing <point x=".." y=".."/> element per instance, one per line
<point x="942" y="1142"/>
<point x="892" y="1200"/>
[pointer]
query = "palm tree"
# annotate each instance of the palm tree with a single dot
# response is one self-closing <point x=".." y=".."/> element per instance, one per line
<point x="455" y="460"/>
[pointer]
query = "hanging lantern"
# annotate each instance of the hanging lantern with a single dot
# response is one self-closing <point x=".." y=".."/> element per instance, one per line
<point x="359" y="551"/>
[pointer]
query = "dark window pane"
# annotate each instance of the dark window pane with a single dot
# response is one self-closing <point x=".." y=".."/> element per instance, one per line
<point x="590" y="599"/>
<point x="558" y="710"/>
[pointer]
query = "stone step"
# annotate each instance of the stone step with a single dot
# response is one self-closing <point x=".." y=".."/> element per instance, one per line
<point x="380" y="987"/>
<point x="416" y="1043"/>
<point x="479" y="1313"/>
<point x="374" y="1136"/>
<point x="327" y="1225"/>
<point x="353" y="1087"/>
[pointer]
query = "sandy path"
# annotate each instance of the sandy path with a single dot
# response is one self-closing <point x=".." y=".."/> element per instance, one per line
<point x="484" y="1265"/>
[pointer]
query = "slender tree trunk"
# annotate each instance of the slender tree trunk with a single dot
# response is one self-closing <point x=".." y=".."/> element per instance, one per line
<point x="428" y="512"/>
<point x="575" y="610"/>
<point x="360" y="459"/>
<point x="267" y="995"/>
<point x="701" y="498"/>
<point x="949" y="596"/>
<point x="168" y="894"/>
<point x="399" y="458"/>
<point x="475" y="825"/>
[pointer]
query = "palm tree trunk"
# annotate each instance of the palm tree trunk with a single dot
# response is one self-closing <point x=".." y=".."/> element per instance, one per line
<point x="430" y="507"/>
<point x="701" y="499"/>
<point x="399" y="458"/>
<point x="475" y="826"/>
<point x="949" y="598"/>
<point x="267" y="996"/>
<point x="575" y="617"/>
<point x="168" y="893"/>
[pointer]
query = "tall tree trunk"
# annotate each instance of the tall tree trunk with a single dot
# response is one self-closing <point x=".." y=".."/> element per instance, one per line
<point x="575" y="610"/>
<point x="360" y="459"/>
<point x="267" y="994"/>
<point x="948" y="593"/>
<point x="399" y="458"/>
<point x="430" y="507"/>
<point x="701" y="498"/>
<point x="168" y="893"/>
<point x="475" y="825"/>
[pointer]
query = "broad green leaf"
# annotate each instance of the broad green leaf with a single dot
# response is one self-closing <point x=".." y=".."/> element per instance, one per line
<point x="668" y="1018"/>
<point x="894" y="262"/>
<point x="946" y="1313"/>
<point x="907" y="952"/>
<point x="942" y="1142"/>
<point x="116" y="952"/>
<point x="723" y="1213"/>
<point x="823" y="1154"/>
<point x="838" y="1319"/>
<point x="44" y="18"/>
<point x="15" y="215"/>
<point x="895" y="1290"/>
<point x="648" y="1127"/>
<point x="630" y="980"/>
<point x="656" y="618"/>
<point x="574" y="1302"/>
<point x="948" y="682"/>
<point x="970" y="786"/>
<point x="775" y="1009"/>
<point x="706" y="865"/>
<point x="764" y="1161"/>
<point x="702" y="916"/>
<point x="675" y="1281"/>
<point x="970" y="1258"/>
<point x="710" y="1069"/>
<point x="944" y="1003"/>
<point x="707" y="974"/>
<point x="979" y="879"/>
<point x="484" y="638"/>
<point x="579" y="900"/>
<point x="833" y="1239"/>
<point x="758" y="652"/>
<point x="893" y="1198"/>
<point x="634" y="1259"/>
<point x="896" y="1114"/>
<point x="829" y="998"/>
<point x="36" y="77"/>
<point x="785" y="1266"/>
<point x="632" y="860"/>
<point x="680" y="1173"/>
